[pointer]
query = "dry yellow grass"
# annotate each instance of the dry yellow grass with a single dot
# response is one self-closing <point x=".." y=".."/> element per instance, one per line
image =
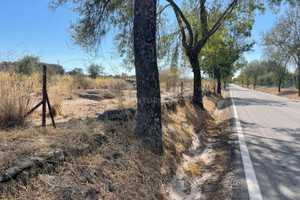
<point x="63" y="85"/>
<point x="120" y="168"/>
<point x="195" y="170"/>
<point x="15" y="100"/>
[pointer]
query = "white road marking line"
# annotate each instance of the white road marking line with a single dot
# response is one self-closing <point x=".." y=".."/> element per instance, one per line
<point x="253" y="187"/>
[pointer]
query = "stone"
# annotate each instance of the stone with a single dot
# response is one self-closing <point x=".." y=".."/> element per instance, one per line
<point x="117" y="115"/>
<point x="9" y="173"/>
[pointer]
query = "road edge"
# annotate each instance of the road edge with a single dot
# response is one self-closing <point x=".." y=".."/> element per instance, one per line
<point x="245" y="186"/>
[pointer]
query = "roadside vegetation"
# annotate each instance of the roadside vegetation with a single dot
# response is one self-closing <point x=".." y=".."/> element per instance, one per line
<point x="126" y="137"/>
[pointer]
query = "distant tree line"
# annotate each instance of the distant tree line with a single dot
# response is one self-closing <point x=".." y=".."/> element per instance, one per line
<point x="267" y="73"/>
<point x="29" y="65"/>
<point x="281" y="51"/>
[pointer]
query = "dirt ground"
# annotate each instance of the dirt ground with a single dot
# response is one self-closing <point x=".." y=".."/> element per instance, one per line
<point x="82" y="108"/>
<point x="291" y="93"/>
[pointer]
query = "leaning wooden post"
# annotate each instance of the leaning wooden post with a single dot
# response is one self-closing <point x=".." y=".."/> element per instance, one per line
<point x="44" y="96"/>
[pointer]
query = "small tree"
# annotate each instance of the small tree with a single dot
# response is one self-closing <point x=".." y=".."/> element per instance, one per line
<point x="255" y="69"/>
<point x="95" y="70"/>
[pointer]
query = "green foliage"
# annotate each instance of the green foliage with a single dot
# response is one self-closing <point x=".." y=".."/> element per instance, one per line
<point x="27" y="65"/>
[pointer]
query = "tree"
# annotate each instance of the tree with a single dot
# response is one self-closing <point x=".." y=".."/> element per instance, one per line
<point x="255" y="69"/>
<point x="280" y="71"/>
<point x="224" y="49"/>
<point x="27" y="65"/>
<point x="285" y="36"/>
<point x="96" y="19"/>
<point x="148" y="126"/>
<point x="95" y="70"/>
<point x="196" y="25"/>
<point x="248" y="73"/>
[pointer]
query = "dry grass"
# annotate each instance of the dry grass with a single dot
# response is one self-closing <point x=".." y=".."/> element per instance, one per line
<point x="15" y="101"/>
<point x="62" y="85"/>
<point x="195" y="170"/>
<point x="290" y="93"/>
<point x="120" y="168"/>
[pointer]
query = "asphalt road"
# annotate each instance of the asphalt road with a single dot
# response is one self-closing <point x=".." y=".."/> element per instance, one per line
<point x="271" y="128"/>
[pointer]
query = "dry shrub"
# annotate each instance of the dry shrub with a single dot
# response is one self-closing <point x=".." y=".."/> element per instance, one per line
<point x="15" y="100"/>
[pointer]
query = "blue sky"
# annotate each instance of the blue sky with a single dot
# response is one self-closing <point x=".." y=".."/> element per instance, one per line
<point x="30" y="28"/>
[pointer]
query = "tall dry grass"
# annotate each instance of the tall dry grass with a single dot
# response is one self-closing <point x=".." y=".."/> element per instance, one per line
<point x="19" y="93"/>
<point x="15" y="100"/>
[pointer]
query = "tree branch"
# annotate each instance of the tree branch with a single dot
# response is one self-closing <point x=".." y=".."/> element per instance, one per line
<point x="179" y="13"/>
<point x="162" y="9"/>
<point x="225" y="14"/>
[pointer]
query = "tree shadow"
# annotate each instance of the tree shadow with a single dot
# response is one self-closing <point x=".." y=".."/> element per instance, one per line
<point x="256" y="102"/>
<point x="276" y="161"/>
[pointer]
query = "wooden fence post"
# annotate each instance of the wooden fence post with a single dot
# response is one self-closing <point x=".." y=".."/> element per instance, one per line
<point x="44" y="96"/>
<point x="44" y="101"/>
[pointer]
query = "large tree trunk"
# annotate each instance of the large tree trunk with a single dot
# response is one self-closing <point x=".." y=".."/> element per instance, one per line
<point x="148" y="124"/>
<point x="197" y="96"/>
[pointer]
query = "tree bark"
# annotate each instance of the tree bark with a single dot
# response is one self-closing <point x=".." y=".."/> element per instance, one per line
<point x="218" y="81"/>
<point x="148" y="125"/>
<point x="197" y="96"/>
<point x="219" y="86"/>
<point x="279" y="87"/>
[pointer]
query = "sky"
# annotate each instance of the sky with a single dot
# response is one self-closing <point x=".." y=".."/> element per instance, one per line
<point x="31" y="28"/>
